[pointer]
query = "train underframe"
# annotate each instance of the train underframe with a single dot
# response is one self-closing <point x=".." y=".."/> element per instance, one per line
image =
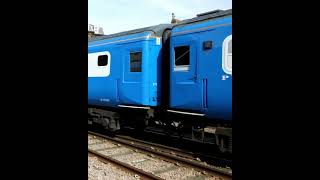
<point x="184" y="126"/>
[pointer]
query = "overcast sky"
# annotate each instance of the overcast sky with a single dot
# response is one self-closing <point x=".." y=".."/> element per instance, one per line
<point x="122" y="15"/>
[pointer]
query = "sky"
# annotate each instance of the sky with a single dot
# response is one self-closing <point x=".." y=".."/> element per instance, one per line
<point x="121" y="15"/>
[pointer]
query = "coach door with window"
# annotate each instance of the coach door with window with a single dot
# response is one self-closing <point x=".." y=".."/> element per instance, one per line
<point x="184" y="80"/>
<point x="131" y="86"/>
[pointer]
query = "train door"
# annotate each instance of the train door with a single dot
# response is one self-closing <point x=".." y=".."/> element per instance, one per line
<point x="131" y="89"/>
<point x="185" y="92"/>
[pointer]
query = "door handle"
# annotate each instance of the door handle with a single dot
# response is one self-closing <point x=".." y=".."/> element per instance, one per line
<point x="193" y="78"/>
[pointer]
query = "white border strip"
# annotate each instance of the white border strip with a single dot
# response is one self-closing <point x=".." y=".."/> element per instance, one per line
<point x="189" y="113"/>
<point x="135" y="107"/>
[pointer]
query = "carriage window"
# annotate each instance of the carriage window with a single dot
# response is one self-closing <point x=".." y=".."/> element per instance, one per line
<point x="182" y="58"/>
<point x="135" y="61"/>
<point x="227" y="55"/>
<point x="103" y="60"/>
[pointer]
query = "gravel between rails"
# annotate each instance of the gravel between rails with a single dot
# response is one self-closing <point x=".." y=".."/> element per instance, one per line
<point x="98" y="170"/>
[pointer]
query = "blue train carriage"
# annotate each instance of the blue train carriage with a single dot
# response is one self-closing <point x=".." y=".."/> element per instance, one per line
<point x="201" y="75"/>
<point x="123" y="73"/>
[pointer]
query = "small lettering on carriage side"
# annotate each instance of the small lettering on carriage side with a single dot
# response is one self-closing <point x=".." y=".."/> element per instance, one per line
<point x="224" y="77"/>
<point x="105" y="100"/>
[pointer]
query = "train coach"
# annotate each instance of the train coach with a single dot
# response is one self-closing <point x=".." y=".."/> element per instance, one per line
<point x="174" y="76"/>
<point x="201" y="76"/>
<point x="124" y="71"/>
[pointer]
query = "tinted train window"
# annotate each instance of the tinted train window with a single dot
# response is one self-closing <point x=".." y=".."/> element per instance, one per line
<point x="182" y="58"/>
<point x="182" y="55"/>
<point x="227" y="55"/>
<point x="103" y="60"/>
<point x="135" y="61"/>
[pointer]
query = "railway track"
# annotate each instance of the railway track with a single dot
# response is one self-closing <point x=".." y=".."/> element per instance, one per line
<point x="132" y="170"/>
<point x="152" y="161"/>
<point x="196" y="156"/>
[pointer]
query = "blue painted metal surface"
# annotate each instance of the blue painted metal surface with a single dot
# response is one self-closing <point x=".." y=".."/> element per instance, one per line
<point x="123" y="86"/>
<point x="204" y="88"/>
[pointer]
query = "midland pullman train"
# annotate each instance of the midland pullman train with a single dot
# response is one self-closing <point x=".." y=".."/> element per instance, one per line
<point x="173" y="78"/>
